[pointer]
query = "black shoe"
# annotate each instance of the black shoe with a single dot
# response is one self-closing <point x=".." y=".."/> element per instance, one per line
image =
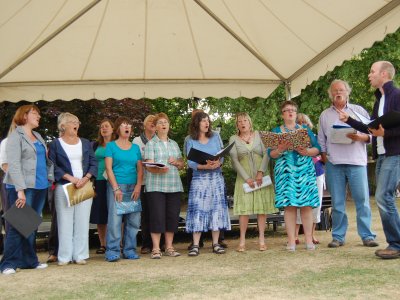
<point x="223" y="244"/>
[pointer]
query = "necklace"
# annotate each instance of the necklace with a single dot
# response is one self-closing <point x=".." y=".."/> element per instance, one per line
<point x="246" y="140"/>
<point x="289" y="130"/>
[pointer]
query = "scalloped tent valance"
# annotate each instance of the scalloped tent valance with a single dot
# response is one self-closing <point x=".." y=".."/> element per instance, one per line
<point x="66" y="49"/>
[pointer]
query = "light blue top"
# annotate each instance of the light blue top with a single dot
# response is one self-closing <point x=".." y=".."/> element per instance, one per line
<point x="212" y="147"/>
<point x="124" y="162"/>
<point x="41" y="181"/>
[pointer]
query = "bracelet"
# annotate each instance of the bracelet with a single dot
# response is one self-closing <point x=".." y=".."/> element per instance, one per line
<point x="118" y="188"/>
<point x="87" y="177"/>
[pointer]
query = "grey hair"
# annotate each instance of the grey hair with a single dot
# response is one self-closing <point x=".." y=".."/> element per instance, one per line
<point x="346" y="85"/>
<point x="64" y="118"/>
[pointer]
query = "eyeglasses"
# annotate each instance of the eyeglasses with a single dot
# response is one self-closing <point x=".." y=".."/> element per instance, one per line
<point x="126" y="125"/>
<point x="75" y="122"/>
<point x="290" y="110"/>
<point x="162" y="122"/>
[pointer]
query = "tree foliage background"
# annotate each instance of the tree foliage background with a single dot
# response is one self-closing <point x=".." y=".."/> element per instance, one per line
<point x="264" y="112"/>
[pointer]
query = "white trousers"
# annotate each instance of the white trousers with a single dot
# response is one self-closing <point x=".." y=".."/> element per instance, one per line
<point x="73" y="227"/>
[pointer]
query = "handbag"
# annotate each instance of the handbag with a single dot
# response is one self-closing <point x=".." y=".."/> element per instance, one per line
<point x="128" y="205"/>
<point x="76" y="196"/>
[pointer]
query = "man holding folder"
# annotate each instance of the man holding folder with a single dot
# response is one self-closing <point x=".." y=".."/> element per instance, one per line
<point x="346" y="163"/>
<point x="386" y="149"/>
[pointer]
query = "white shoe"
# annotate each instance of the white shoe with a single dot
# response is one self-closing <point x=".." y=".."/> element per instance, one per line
<point x="41" y="266"/>
<point x="63" y="263"/>
<point x="81" y="262"/>
<point x="8" y="271"/>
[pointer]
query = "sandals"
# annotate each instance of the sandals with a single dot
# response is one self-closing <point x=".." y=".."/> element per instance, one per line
<point x="101" y="250"/>
<point x="218" y="249"/>
<point x="171" y="252"/>
<point x="310" y="247"/>
<point x="262" y="247"/>
<point x="156" y="254"/>
<point x="51" y="259"/>
<point x="194" y="251"/>
<point x="241" y="248"/>
<point x="291" y="248"/>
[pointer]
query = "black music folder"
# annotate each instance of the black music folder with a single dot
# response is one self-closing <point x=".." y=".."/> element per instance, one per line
<point x="25" y="220"/>
<point x="201" y="157"/>
<point x="389" y="120"/>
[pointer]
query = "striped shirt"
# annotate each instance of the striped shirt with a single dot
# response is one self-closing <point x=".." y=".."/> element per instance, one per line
<point x="159" y="152"/>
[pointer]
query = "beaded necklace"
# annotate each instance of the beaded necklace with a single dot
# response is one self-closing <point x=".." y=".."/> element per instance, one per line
<point x="297" y="126"/>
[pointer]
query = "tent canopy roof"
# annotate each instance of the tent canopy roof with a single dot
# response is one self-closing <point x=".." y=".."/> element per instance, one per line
<point x="65" y="49"/>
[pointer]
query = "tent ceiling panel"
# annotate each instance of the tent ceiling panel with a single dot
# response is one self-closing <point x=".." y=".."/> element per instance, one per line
<point x="179" y="48"/>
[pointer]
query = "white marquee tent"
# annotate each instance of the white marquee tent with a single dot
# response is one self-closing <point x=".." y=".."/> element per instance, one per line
<point x="67" y="49"/>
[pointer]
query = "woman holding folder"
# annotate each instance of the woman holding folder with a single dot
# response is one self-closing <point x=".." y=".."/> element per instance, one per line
<point x="295" y="180"/>
<point x="208" y="206"/>
<point x="28" y="173"/>
<point x="163" y="187"/>
<point x="74" y="162"/>
<point x="250" y="160"/>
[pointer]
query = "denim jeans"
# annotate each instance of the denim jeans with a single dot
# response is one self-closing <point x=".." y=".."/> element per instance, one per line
<point x="131" y="226"/>
<point x="356" y="176"/>
<point x="387" y="177"/>
<point x="20" y="252"/>
<point x="73" y="227"/>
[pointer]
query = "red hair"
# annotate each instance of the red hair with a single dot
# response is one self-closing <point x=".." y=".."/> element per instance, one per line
<point x="19" y="117"/>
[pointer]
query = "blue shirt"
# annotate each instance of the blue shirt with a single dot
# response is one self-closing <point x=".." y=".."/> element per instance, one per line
<point x="124" y="162"/>
<point x="41" y="181"/>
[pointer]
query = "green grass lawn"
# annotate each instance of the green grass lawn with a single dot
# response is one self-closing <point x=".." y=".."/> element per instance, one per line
<point x="349" y="272"/>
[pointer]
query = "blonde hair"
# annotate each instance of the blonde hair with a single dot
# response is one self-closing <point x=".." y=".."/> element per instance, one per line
<point x="304" y="120"/>
<point x="62" y="119"/>
<point x="243" y="115"/>
<point x="148" y="119"/>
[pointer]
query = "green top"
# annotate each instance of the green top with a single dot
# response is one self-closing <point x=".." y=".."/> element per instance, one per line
<point x="101" y="167"/>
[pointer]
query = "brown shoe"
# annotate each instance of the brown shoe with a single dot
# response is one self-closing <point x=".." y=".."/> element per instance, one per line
<point x="145" y="250"/>
<point x="51" y="259"/>
<point x="387" y="253"/>
<point x="370" y="243"/>
<point x="335" y="244"/>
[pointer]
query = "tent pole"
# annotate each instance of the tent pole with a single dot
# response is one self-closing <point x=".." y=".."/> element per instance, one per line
<point x="288" y="90"/>
<point x="49" y="38"/>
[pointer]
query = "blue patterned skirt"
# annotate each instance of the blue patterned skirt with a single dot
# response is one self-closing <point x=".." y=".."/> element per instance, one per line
<point x="208" y="206"/>
<point x="295" y="181"/>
